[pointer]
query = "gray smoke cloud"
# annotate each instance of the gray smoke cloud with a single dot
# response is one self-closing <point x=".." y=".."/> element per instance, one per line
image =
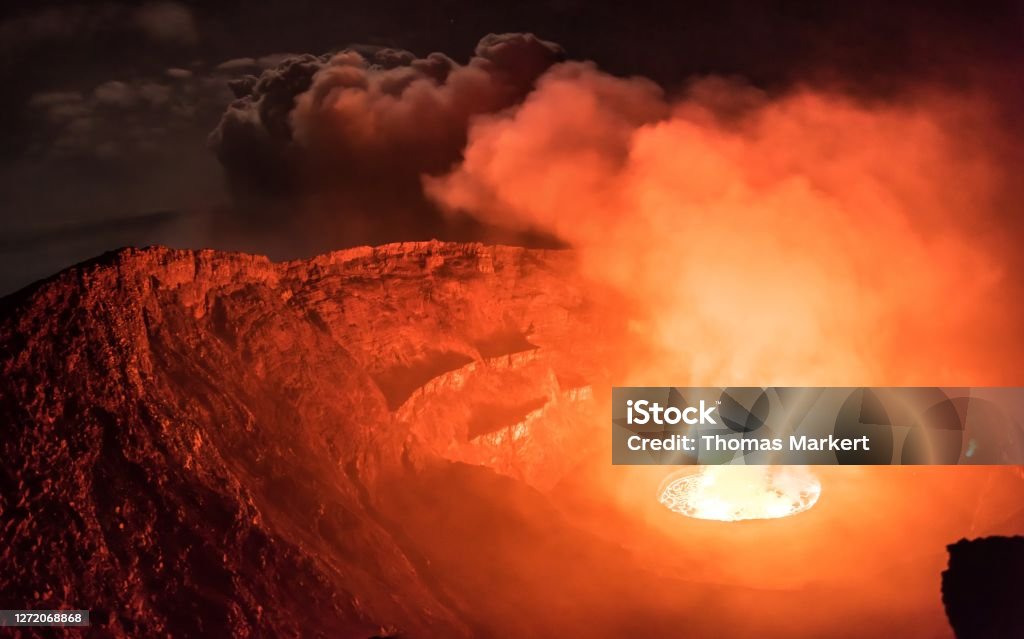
<point x="328" y="151"/>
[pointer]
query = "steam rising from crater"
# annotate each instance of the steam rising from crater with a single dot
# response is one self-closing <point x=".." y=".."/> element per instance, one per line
<point x="803" y="239"/>
<point x="800" y="239"/>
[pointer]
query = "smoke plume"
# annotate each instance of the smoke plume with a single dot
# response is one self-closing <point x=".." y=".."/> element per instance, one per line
<point x="338" y="143"/>
<point x="805" y="238"/>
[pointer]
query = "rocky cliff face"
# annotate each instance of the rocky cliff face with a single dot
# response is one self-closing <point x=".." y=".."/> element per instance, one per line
<point x="200" y="443"/>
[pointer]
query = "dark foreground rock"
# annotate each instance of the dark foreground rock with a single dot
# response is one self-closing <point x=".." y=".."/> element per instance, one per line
<point x="197" y="443"/>
<point x="983" y="589"/>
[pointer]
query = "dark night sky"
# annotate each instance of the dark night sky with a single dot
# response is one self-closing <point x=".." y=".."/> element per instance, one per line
<point x="107" y="106"/>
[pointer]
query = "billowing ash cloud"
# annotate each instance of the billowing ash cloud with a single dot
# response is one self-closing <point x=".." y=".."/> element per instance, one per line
<point x="801" y="238"/>
<point x="339" y="142"/>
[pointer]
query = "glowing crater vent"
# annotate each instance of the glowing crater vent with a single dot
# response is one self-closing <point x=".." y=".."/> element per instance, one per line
<point x="736" y="493"/>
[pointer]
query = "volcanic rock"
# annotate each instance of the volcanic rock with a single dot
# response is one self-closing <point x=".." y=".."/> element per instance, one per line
<point x="208" y="444"/>
<point x="983" y="590"/>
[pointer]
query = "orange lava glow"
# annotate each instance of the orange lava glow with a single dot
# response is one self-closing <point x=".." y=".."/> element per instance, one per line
<point x="724" y="493"/>
<point x="807" y="239"/>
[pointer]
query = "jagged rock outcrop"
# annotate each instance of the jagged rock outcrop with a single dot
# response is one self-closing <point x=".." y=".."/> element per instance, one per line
<point x="983" y="589"/>
<point x="200" y="443"/>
